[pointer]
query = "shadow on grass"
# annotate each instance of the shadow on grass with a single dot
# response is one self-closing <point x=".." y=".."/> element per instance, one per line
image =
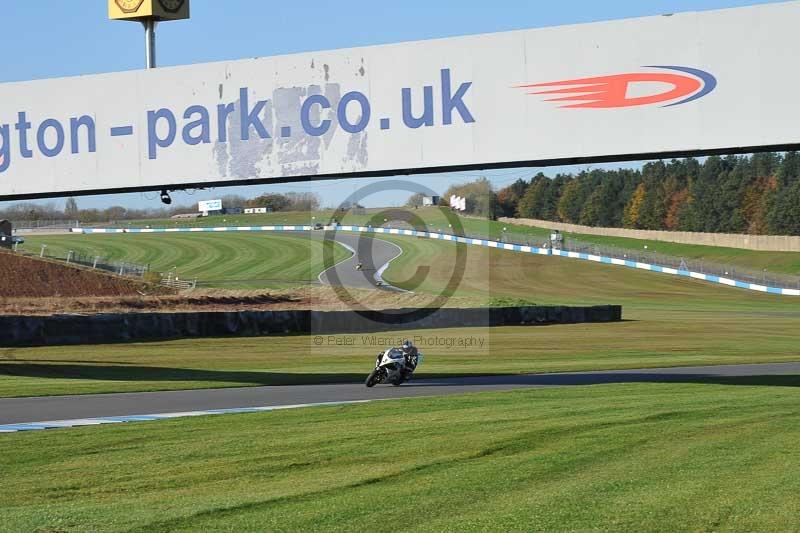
<point x="612" y="377"/>
<point x="157" y="374"/>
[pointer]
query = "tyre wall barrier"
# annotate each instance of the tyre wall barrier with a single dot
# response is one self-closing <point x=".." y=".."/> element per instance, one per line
<point x="55" y="330"/>
<point x="474" y="242"/>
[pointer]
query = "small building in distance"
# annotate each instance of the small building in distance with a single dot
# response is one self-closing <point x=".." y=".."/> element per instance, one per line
<point x="428" y="201"/>
<point x="257" y="210"/>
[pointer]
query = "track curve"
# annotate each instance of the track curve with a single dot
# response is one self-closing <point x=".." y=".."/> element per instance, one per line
<point x="374" y="255"/>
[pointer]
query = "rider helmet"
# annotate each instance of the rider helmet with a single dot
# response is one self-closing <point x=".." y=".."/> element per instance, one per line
<point x="407" y="344"/>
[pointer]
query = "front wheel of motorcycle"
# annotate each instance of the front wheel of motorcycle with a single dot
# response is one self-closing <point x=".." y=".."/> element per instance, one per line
<point x="372" y="379"/>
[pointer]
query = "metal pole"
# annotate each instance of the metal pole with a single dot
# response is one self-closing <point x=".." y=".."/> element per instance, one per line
<point x="150" y="42"/>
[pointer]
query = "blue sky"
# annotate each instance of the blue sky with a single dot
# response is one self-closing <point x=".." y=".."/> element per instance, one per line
<point x="45" y="39"/>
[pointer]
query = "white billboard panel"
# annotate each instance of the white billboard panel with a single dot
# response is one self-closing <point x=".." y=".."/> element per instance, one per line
<point x="694" y="82"/>
<point x="209" y="205"/>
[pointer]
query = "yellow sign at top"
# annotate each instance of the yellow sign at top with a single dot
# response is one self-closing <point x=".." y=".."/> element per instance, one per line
<point x="148" y="9"/>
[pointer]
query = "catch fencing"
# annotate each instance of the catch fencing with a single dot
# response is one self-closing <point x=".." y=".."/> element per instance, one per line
<point x="97" y="262"/>
<point x="119" y="268"/>
<point x="44" y="225"/>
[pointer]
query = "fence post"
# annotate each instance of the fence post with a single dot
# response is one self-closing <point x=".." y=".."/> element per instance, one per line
<point x="44" y="247"/>
<point x="96" y="258"/>
<point x="69" y="256"/>
<point x="121" y="268"/>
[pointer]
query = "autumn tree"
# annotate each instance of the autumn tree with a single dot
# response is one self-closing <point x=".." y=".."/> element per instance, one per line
<point x="677" y="203"/>
<point x="532" y="203"/>
<point x="509" y="198"/>
<point x="633" y="209"/>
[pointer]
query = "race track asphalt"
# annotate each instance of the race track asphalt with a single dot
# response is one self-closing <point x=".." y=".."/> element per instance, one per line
<point x="20" y="410"/>
<point x="374" y="254"/>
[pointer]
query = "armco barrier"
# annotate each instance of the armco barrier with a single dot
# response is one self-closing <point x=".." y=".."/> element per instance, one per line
<point x="470" y="241"/>
<point x="111" y="328"/>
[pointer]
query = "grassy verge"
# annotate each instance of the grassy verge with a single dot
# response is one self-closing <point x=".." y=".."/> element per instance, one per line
<point x="644" y="457"/>
<point x="491" y="273"/>
<point x="230" y="260"/>
<point x="666" y="338"/>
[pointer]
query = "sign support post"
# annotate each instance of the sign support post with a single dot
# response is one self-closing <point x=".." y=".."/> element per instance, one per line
<point x="149" y="13"/>
<point x="150" y="42"/>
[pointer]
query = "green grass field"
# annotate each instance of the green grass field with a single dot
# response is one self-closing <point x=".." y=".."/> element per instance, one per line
<point x="553" y="280"/>
<point x="669" y="322"/>
<point x="644" y="457"/>
<point x="440" y="220"/>
<point x="718" y="455"/>
<point x="230" y="260"/>
<point x="652" y="340"/>
<point x="237" y="259"/>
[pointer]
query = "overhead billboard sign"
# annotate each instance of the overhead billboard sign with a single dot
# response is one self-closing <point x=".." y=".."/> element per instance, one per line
<point x="660" y="86"/>
<point x="209" y="205"/>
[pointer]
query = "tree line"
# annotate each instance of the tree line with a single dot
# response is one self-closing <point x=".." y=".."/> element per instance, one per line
<point x="758" y="194"/>
<point x="33" y="212"/>
<point x="481" y="198"/>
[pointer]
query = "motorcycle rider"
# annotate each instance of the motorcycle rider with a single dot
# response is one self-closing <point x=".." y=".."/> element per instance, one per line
<point x="392" y="369"/>
<point x="411" y="355"/>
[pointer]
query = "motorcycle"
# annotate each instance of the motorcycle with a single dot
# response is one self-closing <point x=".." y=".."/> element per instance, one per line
<point x="391" y="367"/>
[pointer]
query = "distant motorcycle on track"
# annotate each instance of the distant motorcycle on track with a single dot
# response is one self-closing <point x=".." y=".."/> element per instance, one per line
<point x="393" y="366"/>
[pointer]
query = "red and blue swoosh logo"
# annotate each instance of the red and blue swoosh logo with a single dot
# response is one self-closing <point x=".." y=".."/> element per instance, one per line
<point x="670" y="85"/>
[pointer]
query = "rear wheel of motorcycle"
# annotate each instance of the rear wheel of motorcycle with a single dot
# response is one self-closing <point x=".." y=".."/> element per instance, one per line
<point x="372" y="379"/>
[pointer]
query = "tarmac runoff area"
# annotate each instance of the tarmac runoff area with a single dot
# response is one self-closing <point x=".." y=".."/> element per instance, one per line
<point x="25" y="414"/>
